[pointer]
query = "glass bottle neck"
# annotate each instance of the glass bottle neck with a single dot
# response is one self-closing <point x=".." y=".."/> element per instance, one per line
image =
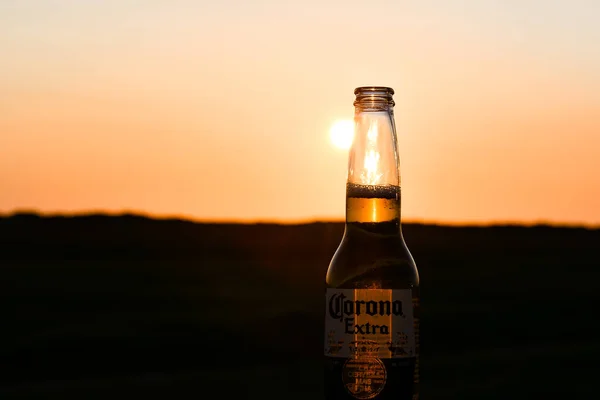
<point x="373" y="186"/>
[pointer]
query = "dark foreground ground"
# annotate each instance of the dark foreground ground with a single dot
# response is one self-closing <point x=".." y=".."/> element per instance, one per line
<point x="123" y="307"/>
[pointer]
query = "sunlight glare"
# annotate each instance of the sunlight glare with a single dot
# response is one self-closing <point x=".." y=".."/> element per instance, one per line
<point x="341" y="134"/>
<point x="372" y="174"/>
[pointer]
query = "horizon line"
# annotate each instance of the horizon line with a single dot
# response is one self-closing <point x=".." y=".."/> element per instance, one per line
<point x="291" y="221"/>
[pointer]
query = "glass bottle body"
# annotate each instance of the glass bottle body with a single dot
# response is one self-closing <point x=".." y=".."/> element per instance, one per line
<point x="372" y="299"/>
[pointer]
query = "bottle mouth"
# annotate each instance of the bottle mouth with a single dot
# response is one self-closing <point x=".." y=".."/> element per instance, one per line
<point x="374" y="97"/>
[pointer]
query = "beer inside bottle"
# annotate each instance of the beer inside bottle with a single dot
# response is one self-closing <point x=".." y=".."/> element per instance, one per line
<point x="372" y="295"/>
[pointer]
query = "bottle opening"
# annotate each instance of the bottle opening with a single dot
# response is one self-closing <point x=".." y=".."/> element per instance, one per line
<point x="374" y="98"/>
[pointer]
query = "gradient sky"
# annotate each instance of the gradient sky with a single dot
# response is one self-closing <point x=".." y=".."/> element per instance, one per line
<point x="221" y="110"/>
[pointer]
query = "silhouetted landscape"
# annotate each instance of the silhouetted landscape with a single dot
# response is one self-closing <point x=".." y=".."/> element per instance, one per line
<point x="98" y="306"/>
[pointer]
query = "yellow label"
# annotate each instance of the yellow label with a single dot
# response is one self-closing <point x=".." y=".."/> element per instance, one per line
<point x="369" y="323"/>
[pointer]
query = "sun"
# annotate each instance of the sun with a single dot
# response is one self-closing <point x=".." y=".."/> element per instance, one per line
<point x="342" y="133"/>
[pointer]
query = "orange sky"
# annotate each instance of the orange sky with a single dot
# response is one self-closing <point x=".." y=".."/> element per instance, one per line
<point x="222" y="111"/>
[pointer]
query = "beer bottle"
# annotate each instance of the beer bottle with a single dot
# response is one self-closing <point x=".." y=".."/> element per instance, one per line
<point x="372" y="284"/>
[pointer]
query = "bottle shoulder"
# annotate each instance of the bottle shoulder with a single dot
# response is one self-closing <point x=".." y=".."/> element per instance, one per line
<point x="383" y="262"/>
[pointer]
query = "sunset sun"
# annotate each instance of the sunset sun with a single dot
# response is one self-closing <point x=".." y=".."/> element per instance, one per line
<point x="341" y="134"/>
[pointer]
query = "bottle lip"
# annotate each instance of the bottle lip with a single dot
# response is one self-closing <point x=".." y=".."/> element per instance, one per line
<point x="373" y="89"/>
<point x="374" y="98"/>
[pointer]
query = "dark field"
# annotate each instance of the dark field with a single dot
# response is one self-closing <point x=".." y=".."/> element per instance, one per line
<point x="98" y="307"/>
